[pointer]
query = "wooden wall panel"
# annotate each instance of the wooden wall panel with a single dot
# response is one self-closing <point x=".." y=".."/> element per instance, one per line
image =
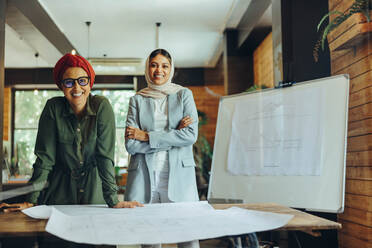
<point x="350" y="56"/>
<point x="360" y="113"/>
<point x="358" y="68"/>
<point x="364" y="233"/>
<point x="359" y="187"/>
<point x="364" y="80"/>
<point x="333" y="4"/>
<point x="347" y="241"/>
<point x="263" y="68"/>
<point x="359" y="143"/>
<point x="363" y="158"/>
<point x="360" y="97"/>
<point x="357" y="62"/>
<point x="7" y="111"/>
<point x="358" y="202"/>
<point x="356" y="172"/>
<point x="339" y="5"/>
<point x="357" y="216"/>
<point x="358" y="128"/>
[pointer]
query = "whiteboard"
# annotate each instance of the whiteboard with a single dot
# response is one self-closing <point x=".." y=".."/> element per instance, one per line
<point x="321" y="192"/>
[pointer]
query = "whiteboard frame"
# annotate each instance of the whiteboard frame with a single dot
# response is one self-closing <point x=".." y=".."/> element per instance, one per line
<point x="229" y="188"/>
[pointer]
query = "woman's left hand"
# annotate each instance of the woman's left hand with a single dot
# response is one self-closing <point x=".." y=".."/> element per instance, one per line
<point x="136" y="133"/>
<point x="185" y="122"/>
<point x="15" y="207"/>
<point x="128" y="204"/>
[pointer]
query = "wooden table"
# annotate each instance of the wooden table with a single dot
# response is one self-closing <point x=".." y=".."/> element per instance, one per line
<point x="301" y="221"/>
<point x="18" y="224"/>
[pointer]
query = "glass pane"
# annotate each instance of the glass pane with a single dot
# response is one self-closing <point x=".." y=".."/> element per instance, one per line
<point x="119" y="100"/>
<point x="24" y="144"/>
<point x="28" y="106"/>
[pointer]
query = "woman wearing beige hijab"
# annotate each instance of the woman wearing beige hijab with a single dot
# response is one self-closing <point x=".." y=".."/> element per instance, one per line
<point x="162" y="126"/>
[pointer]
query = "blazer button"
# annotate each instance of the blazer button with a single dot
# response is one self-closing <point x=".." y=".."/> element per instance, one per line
<point x="81" y="190"/>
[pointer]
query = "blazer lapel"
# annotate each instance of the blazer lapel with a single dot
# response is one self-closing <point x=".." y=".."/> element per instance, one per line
<point x="175" y="111"/>
<point x="146" y="114"/>
<point x="171" y="107"/>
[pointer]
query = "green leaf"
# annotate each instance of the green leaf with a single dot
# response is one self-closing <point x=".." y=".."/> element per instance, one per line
<point x="325" y="17"/>
<point x="327" y="29"/>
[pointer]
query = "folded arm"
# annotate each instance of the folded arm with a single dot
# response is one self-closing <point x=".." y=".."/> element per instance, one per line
<point x="178" y="137"/>
<point x="133" y="145"/>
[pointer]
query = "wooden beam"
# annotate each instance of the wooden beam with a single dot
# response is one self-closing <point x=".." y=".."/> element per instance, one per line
<point x="250" y="18"/>
<point x="238" y="70"/>
<point x="38" y="76"/>
<point x="42" y="21"/>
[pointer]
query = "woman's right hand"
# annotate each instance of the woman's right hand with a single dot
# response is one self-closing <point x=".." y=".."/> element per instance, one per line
<point x="14" y="207"/>
<point x="185" y="122"/>
<point x="128" y="204"/>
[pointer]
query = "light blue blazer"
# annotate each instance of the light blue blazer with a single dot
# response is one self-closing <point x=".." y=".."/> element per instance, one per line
<point x="178" y="143"/>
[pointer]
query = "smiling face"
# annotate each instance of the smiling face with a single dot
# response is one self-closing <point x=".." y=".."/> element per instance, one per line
<point x="159" y="69"/>
<point x="77" y="95"/>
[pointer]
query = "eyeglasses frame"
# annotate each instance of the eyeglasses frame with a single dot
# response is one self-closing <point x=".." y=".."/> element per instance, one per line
<point x="75" y="80"/>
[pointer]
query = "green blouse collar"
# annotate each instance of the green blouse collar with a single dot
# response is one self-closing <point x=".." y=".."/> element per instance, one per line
<point x="89" y="110"/>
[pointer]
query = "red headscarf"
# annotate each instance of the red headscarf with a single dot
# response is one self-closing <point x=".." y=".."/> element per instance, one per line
<point x="69" y="60"/>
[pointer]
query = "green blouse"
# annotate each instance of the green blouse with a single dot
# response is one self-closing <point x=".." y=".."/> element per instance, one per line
<point x="75" y="157"/>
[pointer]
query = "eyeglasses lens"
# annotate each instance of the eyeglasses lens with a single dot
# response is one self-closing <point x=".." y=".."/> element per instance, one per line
<point x="68" y="83"/>
<point x="83" y="81"/>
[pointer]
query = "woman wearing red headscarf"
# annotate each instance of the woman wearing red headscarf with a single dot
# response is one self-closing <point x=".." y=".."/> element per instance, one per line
<point x="75" y="143"/>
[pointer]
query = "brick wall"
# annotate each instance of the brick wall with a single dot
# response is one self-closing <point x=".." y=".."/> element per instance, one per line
<point x="207" y="100"/>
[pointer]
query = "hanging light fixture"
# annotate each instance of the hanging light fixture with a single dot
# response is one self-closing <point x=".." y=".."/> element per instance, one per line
<point x="36" y="79"/>
<point x="88" y="38"/>
<point x="158" y="24"/>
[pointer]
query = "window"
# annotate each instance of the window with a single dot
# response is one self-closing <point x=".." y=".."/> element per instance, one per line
<point x="28" y="107"/>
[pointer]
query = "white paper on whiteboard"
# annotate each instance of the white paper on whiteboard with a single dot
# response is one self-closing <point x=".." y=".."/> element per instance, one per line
<point x="276" y="135"/>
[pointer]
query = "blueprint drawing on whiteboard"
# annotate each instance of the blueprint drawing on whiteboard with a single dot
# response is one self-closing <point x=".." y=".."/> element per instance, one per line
<point x="277" y="133"/>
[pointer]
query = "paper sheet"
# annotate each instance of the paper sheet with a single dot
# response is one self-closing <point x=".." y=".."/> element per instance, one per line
<point x="156" y="223"/>
<point x="276" y="135"/>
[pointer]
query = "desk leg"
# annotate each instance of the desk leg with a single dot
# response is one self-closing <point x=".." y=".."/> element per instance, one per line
<point x="250" y="241"/>
<point x="236" y="242"/>
<point x="246" y="241"/>
<point x="297" y="240"/>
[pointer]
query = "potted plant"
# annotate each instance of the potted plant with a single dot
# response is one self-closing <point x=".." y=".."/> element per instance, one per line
<point x="358" y="6"/>
<point x="203" y="157"/>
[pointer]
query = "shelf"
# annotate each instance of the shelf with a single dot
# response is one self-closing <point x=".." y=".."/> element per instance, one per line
<point x="350" y="33"/>
<point x="352" y="37"/>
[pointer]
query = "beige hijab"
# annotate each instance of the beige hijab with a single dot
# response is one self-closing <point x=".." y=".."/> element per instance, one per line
<point x="159" y="91"/>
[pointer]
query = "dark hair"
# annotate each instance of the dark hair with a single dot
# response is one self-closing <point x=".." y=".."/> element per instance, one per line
<point x="162" y="52"/>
